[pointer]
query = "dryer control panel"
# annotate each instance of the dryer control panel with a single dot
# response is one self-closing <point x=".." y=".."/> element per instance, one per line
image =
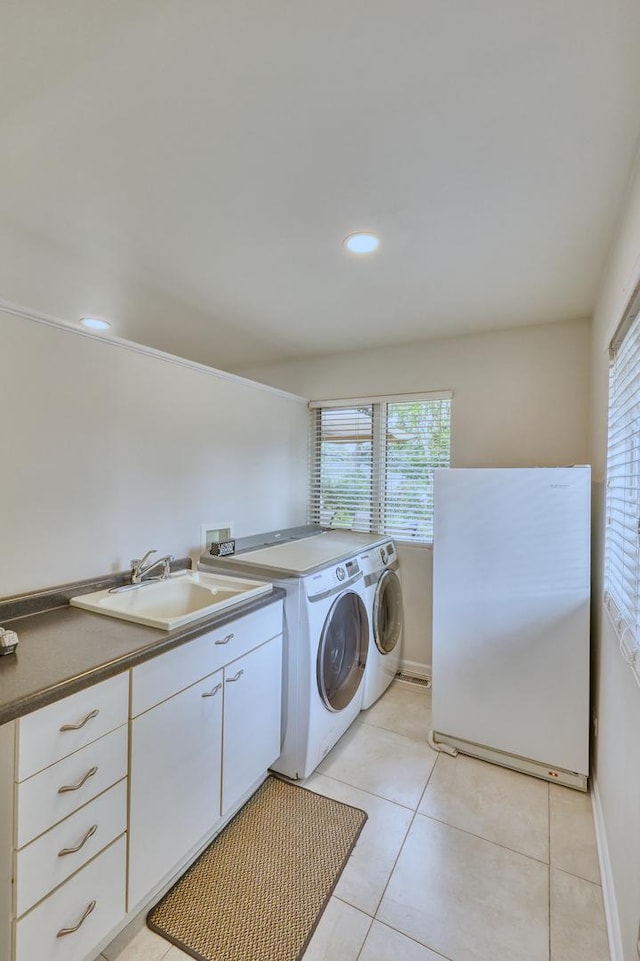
<point x="377" y="558"/>
<point x="388" y="553"/>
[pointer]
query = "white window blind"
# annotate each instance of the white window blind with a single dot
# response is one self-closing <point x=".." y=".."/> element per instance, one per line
<point x="372" y="462"/>
<point x="622" y="546"/>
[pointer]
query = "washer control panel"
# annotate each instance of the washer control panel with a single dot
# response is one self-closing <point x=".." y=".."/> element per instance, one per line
<point x="327" y="580"/>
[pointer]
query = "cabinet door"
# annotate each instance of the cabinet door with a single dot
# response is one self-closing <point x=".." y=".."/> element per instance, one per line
<point x="175" y="782"/>
<point x="252" y="710"/>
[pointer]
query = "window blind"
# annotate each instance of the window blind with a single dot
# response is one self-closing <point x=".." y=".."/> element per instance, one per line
<point x="372" y="462"/>
<point x="622" y="544"/>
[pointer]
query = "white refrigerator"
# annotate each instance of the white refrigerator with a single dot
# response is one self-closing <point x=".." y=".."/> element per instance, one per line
<point x="511" y="578"/>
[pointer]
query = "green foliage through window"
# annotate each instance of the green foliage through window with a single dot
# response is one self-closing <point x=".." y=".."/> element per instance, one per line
<point x="372" y="465"/>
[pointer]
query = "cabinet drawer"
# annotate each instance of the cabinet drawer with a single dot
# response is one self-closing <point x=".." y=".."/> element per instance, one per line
<point x="101" y="881"/>
<point x="160" y="678"/>
<point x="248" y="632"/>
<point x="39" y="801"/>
<point x="50" y="860"/>
<point x="59" y="729"/>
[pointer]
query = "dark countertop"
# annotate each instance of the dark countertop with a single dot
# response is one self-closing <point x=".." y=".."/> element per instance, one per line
<point x="65" y="649"/>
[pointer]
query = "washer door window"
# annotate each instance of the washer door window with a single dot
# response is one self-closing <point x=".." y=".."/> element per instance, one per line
<point x="387" y="612"/>
<point x="342" y="652"/>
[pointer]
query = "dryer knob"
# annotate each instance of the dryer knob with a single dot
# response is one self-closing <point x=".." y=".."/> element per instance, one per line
<point x="383" y="556"/>
<point x="341" y="573"/>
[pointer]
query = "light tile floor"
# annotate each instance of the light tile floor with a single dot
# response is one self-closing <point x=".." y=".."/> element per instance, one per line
<point x="459" y="859"/>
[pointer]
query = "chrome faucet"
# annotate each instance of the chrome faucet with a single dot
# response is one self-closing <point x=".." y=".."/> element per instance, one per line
<point x="138" y="569"/>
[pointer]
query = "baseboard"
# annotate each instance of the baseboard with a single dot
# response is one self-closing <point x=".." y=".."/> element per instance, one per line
<point x="416" y="669"/>
<point x="606" y="876"/>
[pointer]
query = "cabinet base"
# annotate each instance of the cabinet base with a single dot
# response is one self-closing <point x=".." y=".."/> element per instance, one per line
<point x="167" y="882"/>
<point x="555" y="775"/>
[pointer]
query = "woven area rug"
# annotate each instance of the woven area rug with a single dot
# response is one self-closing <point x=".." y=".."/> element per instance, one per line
<point x="257" y="892"/>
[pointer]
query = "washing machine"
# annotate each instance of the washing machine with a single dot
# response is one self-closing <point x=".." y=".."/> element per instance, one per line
<point x="383" y="594"/>
<point x="326" y="636"/>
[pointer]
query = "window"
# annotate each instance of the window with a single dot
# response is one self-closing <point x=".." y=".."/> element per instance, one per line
<point x="373" y="461"/>
<point x="622" y="545"/>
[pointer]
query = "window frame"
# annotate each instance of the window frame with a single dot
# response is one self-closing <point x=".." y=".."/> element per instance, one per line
<point x="621" y="594"/>
<point x="379" y="498"/>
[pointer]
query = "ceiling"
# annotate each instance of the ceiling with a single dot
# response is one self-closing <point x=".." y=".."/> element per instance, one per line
<point x="188" y="169"/>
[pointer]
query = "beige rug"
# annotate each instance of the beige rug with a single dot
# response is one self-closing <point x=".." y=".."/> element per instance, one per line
<point x="257" y="892"/>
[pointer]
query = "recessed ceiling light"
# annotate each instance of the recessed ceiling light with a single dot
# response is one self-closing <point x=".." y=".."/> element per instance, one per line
<point x="362" y="243"/>
<point x="92" y="323"/>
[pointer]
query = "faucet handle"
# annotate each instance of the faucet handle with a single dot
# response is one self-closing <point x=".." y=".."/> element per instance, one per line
<point x="140" y="561"/>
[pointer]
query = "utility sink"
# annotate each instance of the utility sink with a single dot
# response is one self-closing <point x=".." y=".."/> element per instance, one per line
<point x="173" y="601"/>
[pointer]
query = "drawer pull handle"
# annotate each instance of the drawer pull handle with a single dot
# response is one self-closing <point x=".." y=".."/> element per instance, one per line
<point x="236" y="677"/>
<point x="76" y="787"/>
<point x="92" y="830"/>
<point x="213" y="692"/>
<point x="76" y="727"/>
<point x="89" y="908"/>
<point x="225" y="640"/>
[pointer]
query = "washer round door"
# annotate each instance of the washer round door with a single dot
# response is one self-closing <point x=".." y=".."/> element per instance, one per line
<point x="387" y="612"/>
<point x="342" y="652"/>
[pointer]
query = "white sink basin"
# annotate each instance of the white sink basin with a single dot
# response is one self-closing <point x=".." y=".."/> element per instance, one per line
<point x="174" y="601"/>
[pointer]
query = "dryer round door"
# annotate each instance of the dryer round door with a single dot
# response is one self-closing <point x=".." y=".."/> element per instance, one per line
<point x="342" y="652"/>
<point x="387" y="612"/>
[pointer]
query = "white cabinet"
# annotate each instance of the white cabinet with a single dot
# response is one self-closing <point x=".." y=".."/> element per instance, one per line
<point x="108" y="788"/>
<point x="70" y="823"/>
<point x="175" y="781"/>
<point x="252" y="692"/>
<point x="196" y="754"/>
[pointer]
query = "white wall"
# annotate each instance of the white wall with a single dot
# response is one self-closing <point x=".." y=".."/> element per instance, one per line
<point x="521" y="399"/>
<point x="617" y="696"/>
<point x="108" y="451"/>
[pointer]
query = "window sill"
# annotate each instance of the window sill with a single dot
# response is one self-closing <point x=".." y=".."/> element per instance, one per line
<point x="414" y="545"/>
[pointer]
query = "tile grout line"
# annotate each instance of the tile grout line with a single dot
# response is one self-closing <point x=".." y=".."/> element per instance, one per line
<point x="384" y="891"/>
<point x="565" y="870"/>
<point x="166" y="953"/>
<point x="406" y="807"/>
<point x="413" y="940"/>
<point x="578" y="877"/>
<point x="481" y="837"/>
<point x="390" y="730"/>
<point x="415" y="813"/>
<point x="379" y="797"/>
<point x="403" y="807"/>
<point x="364" y="940"/>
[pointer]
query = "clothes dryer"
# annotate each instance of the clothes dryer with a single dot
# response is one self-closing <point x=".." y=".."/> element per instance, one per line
<point x="383" y="592"/>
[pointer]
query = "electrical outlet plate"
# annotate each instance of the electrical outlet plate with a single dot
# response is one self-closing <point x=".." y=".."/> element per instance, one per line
<point x="214" y="532"/>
